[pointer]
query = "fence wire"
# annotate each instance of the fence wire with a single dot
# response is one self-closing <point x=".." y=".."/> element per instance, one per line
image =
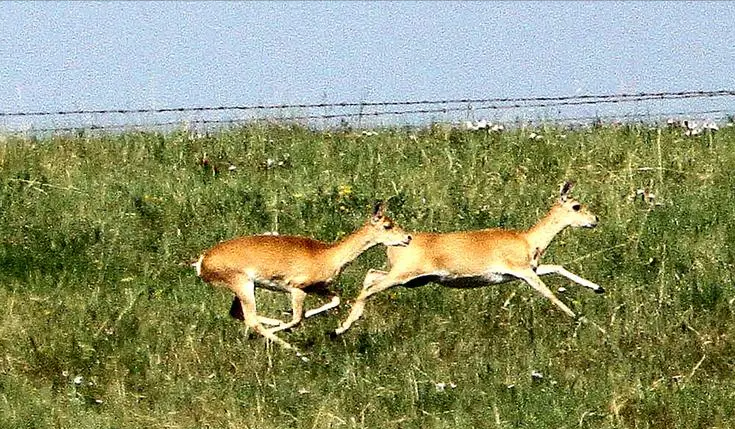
<point x="363" y="110"/>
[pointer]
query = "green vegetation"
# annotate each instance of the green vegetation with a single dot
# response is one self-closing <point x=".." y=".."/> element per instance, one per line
<point x="103" y="324"/>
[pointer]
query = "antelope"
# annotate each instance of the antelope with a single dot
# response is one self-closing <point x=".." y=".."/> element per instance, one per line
<point x="480" y="258"/>
<point x="291" y="264"/>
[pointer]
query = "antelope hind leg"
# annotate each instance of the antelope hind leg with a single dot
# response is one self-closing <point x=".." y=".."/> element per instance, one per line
<point x="535" y="282"/>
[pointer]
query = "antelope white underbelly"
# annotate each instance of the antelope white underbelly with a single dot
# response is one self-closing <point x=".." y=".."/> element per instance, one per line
<point x="275" y="285"/>
<point x="491" y="277"/>
<point x="495" y="278"/>
<point x="479" y="280"/>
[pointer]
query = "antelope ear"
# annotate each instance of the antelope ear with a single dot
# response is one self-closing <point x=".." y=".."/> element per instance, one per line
<point x="565" y="188"/>
<point x="378" y="210"/>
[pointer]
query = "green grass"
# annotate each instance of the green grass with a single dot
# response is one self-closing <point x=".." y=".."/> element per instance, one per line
<point x="102" y="324"/>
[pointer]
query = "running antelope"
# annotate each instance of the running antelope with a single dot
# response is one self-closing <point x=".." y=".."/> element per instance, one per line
<point x="290" y="264"/>
<point x="479" y="258"/>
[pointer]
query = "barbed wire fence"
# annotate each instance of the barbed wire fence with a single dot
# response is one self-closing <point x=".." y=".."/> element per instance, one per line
<point x="582" y="108"/>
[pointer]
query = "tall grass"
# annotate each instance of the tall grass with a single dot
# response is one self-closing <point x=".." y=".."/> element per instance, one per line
<point x="104" y="325"/>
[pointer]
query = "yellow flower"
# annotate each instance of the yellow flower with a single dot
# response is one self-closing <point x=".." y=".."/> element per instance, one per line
<point x="344" y="190"/>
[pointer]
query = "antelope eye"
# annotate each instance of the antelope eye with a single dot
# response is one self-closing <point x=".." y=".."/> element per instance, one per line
<point x="576" y="207"/>
<point x="388" y="226"/>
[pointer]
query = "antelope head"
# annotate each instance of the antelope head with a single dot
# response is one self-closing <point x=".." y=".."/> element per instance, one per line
<point x="572" y="211"/>
<point x="385" y="230"/>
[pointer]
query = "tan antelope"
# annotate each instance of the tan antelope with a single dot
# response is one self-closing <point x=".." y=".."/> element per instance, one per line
<point x="479" y="258"/>
<point x="290" y="264"/>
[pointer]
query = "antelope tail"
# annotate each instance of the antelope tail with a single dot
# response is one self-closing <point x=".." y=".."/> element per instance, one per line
<point x="198" y="265"/>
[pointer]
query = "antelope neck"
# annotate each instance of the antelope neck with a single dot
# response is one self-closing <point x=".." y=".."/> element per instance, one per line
<point x="349" y="248"/>
<point x="540" y="235"/>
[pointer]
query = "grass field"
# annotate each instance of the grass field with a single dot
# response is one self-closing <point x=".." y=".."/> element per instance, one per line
<point x="102" y="325"/>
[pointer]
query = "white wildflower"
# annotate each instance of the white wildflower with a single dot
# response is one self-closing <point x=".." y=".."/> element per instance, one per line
<point x="710" y="125"/>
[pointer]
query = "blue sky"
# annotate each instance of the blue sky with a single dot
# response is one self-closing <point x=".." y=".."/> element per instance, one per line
<point x="104" y="55"/>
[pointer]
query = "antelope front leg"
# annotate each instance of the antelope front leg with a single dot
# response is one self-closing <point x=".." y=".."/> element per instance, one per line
<point x="558" y="269"/>
<point x="535" y="282"/>
<point x="357" y="308"/>
<point x="297" y="307"/>
<point x="270" y="321"/>
<point x="369" y="289"/>
<point x="372" y="277"/>
<point x="328" y="306"/>
<point x="246" y="293"/>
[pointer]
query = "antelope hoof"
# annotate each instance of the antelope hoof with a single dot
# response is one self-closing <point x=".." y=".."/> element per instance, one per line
<point x="600" y="290"/>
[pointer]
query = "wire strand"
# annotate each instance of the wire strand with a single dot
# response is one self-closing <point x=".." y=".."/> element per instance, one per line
<point x="589" y="98"/>
<point x="449" y="106"/>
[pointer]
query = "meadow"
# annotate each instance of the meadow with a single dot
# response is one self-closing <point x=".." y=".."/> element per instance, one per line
<point x="104" y="325"/>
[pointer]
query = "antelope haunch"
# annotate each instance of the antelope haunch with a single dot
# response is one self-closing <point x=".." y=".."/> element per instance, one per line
<point x="479" y="258"/>
<point x="289" y="264"/>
